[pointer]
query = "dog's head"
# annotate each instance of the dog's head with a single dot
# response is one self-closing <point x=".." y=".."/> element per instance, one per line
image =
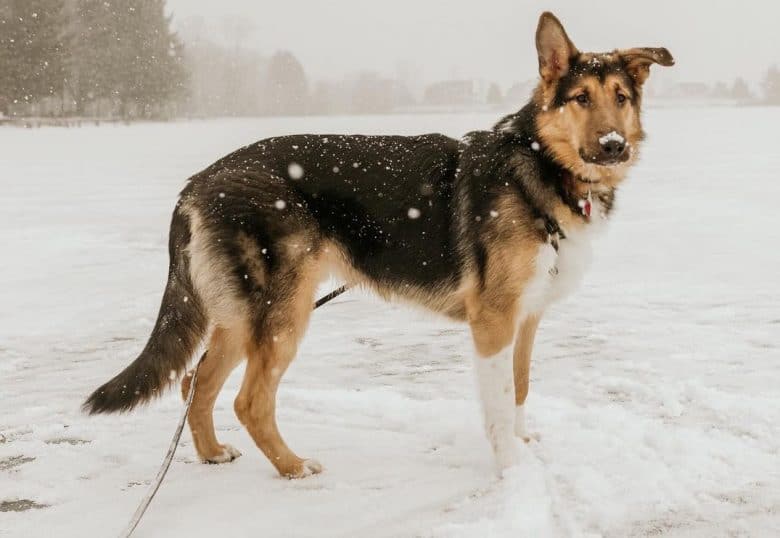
<point x="589" y="103"/>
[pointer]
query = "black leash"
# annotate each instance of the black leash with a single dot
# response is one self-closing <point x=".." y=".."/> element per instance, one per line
<point x="146" y="501"/>
<point x="332" y="295"/>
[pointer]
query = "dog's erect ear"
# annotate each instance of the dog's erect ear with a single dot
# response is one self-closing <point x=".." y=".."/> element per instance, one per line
<point x="554" y="47"/>
<point x="639" y="60"/>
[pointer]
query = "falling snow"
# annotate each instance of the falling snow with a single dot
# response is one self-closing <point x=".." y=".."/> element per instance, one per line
<point x="295" y="171"/>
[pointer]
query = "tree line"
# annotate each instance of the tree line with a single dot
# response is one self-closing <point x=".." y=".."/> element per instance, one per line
<point x="121" y="58"/>
<point x="89" y="57"/>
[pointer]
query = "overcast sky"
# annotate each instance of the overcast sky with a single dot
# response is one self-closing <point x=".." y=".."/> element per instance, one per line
<point x="493" y="39"/>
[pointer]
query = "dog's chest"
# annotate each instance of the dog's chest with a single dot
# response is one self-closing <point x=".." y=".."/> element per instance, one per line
<point x="558" y="273"/>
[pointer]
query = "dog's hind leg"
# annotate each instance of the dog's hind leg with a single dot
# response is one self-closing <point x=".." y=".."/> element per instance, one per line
<point x="278" y="332"/>
<point x="225" y="351"/>
<point x="522" y="370"/>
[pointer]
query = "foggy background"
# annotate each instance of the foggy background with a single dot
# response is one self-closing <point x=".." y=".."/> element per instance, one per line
<point x="152" y="59"/>
<point x="654" y="386"/>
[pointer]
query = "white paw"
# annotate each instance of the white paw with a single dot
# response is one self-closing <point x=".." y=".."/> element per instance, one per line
<point x="228" y="454"/>
<point x="520" y="429"/>
<point x="311" y="467"/>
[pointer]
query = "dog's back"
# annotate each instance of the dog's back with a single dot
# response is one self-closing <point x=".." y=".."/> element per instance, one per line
<point x="383" y="200"/>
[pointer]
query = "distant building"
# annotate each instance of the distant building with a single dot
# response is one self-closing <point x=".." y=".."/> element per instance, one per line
<point x="452" y="93"/>
<point x="688" y="90"/>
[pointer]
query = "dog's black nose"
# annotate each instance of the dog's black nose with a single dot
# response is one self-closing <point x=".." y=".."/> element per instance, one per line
<point x="612" y="145"/>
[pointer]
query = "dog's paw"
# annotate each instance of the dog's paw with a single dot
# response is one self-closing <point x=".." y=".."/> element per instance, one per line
<point x="305" y="468"/>
<point x="227" y="455"/>
<point x="311" y="467"/>
<point x="520" y="429"/>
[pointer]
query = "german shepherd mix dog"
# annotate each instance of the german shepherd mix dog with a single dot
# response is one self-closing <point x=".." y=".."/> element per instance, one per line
<point x="489" y="230"/>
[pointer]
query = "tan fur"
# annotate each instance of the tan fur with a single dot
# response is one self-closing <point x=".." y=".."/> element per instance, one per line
<point x="251" y="258"/>
<point x="267" y="360"/>
<point x="225" y="352"/>
<point x="522" y="357"/>
<point x="554" y="48"/>
<point x="640" y="59"/>
<point x="493" y="308"/>
<point x="224" y="306"/>
<point x="567" y="129"/>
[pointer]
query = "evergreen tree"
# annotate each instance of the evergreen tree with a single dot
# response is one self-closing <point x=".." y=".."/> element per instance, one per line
<point x="9" y="61"/>
<point x="32" y="50"/>
<point x="127" y="52"/>
<point x="95" y="65"/>
<point x="153" y="69"/>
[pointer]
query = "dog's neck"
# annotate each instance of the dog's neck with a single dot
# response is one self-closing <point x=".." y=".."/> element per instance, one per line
<point x="574" y="192"/>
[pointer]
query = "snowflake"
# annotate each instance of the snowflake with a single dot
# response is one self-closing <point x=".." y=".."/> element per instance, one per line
<point x="295" y="171"/>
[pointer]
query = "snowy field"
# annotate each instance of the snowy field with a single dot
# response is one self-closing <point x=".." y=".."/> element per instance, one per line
<point x="655" y="387"/>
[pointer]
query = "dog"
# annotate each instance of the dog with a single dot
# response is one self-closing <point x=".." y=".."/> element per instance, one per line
<point x="488" y="230"/>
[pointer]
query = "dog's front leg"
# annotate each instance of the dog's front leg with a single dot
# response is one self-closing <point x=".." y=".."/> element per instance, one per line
<point x="496" y="390"/>
<point x="493" y="329"/>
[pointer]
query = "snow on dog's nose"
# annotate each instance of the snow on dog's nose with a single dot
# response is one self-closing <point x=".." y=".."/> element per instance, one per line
<point x="612" y="145"/>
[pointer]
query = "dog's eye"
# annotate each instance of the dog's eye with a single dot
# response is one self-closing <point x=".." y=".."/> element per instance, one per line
<point x="621" y="98"/>
<point x="582" y="98"/>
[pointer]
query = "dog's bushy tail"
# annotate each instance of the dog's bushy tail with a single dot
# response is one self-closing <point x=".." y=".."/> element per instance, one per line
<point x="177" y="333"/>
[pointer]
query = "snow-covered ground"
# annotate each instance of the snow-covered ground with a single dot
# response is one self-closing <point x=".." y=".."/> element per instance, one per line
<point x="655" y="388"/>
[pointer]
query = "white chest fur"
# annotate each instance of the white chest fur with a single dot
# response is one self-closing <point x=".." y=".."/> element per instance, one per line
<point x="559" y="273"/>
